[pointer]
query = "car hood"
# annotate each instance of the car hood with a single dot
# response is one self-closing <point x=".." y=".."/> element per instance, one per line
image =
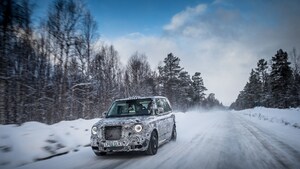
<point x="123" y="120"/>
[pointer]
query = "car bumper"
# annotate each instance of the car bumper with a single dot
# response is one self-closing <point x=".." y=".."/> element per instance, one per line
<point x="133" y="143"/>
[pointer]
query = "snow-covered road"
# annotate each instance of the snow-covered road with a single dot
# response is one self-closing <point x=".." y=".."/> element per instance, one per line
<point x="205" y="140"/>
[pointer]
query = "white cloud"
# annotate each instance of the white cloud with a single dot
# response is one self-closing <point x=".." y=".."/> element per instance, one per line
<point x="192" y="31"/>
<point x="183" y="17"/>
<point x="222" y="45"/>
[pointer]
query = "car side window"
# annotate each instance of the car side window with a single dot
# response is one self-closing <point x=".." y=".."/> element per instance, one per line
<point x="167" y="107"/>
<point x="159" y="104"/>
<point x="162" y="103"/>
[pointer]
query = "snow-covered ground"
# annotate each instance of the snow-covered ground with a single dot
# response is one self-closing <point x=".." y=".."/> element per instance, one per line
<point x="253" y="138"/>
<point x="33" y="141"/>
<point x="288" y="117"/>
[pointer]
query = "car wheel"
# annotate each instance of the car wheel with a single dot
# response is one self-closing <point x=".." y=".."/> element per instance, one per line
<point x="153" y="144"/>
<point x="174" y="134"/>
<point x="100" y="153"/>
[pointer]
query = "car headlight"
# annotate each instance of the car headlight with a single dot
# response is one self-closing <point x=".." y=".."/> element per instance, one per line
<point x="94" y="130"/>
<point x="138" y="128"/>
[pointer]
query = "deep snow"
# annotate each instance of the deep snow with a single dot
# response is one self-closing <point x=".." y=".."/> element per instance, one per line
<point x="33" y="141"/>
<point x="253" y="138"/>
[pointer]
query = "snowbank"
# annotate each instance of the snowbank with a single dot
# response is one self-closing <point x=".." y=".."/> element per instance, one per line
<point x="33" y="141"/>
<point x="288" y="117"/>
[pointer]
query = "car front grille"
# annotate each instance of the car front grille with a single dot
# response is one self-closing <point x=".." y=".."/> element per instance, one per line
<point x="113" y="132"/>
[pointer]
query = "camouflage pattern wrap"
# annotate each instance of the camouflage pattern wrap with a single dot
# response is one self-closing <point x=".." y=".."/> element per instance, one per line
<point x="126" y="138"/>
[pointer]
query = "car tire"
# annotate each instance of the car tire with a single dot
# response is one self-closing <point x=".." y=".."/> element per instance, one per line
<point x="100" y="153"/>
<point x="174" y="133"/>
<point x="153" y="144"/>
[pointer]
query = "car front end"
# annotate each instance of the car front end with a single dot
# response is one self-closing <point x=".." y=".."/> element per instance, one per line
<point x="120" y="135"/>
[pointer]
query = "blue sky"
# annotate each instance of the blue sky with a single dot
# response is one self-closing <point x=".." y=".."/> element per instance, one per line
<point x="222" y="39"/>
<point x="116" y="17"/>
<point x="120" y="17"/>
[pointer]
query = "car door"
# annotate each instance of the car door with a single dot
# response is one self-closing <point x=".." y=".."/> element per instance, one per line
<point x="163" y="119"/>
<point x="169" y="119"/>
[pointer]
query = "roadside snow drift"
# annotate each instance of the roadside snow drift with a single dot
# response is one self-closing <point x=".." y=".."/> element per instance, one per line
<point x="288" y="117"/>
<point x="34" y="141"/>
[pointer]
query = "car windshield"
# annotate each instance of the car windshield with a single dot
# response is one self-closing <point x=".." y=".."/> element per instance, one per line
<point x="138" y="107"/>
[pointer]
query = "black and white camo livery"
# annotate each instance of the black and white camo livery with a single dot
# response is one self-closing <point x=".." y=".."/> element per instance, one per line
<point x="134" y="124"/>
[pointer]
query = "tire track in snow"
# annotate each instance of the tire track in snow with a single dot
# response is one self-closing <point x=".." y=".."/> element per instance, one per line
<point x="272" y="144"/>
<point x="192" y="148"/>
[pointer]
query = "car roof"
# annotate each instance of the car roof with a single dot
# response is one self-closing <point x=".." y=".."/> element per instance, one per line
<point x="139" y="97"/>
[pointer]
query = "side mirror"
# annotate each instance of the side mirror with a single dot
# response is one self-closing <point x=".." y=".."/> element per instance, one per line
<point x="160" y="110"/>
<point x="104" y="114"/>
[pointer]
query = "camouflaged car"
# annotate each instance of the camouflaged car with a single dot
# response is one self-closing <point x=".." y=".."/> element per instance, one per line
<point x="134" y="124"/>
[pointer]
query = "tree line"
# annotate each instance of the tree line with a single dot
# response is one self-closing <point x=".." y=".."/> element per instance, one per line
<point x="55" y="71"/>
<point x="274" y="85"/>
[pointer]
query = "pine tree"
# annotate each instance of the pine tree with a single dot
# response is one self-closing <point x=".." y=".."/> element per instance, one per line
<point x="296" y="89"/>
<point x="168" y="77"/>
<point x="240" y="102"/>
<point x="281" y="80"/>
<point x="262" y="67"/>
<point x="199" y="89"/>
<point x="250" y="96"/>
<point x="185" y="90"/>
<point x="254" y="90"/>
<point x="295" y="97"/>
<point x="211" y="102"/>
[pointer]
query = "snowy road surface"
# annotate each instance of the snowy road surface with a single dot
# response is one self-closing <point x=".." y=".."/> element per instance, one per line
<point x="205" y="140"/>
